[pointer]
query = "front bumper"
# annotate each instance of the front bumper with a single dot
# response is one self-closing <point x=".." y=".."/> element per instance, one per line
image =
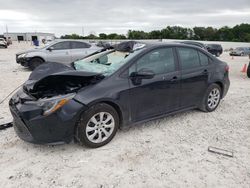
<point x="31" y="126"/>
<point x="234" y="54"/>
<point x="24" y="61"/>
<point x="4" y="45"/>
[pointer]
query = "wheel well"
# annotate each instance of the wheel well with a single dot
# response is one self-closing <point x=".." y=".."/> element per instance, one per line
<point x="221" y="86"/>
<point x="118" y="110"/>
<point x="38" y="58"/>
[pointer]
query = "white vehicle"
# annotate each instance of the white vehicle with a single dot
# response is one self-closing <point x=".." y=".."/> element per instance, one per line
<point x="65" y="52"/>
<point x="3" y="43"/>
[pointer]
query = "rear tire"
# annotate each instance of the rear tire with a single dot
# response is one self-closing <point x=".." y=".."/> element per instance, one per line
<point x="35" y="62"/>
<point x="211" y="99"/>
<point x="218" y="54"/>
<point x="97" y="126"/>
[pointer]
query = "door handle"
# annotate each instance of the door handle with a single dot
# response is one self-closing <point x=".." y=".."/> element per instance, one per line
<point x="175" y="78"/>
<point x="205" y="71"/>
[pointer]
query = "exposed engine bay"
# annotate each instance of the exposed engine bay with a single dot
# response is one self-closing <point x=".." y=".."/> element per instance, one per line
<point x="43" y="83"/>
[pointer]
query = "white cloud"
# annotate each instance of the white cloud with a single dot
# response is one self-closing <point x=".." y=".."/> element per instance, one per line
<point x="9" y="15"/>
<point x="63" y="16"/>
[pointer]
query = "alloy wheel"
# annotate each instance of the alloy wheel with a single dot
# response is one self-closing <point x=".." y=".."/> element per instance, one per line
<point x="100" y="127"/>
<point x="213" y="98"/>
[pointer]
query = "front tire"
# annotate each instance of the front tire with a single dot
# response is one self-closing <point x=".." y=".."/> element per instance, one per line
<point x="212" y="98"/>
<point x="35" y="62"/>
<point x="97" y="126"/>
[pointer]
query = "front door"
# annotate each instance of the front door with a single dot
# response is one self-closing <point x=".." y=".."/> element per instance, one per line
<point x="157" y="95"/>
<point x="59" y="52"/>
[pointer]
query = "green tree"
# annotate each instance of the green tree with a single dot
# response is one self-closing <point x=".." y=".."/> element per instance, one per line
<point x="102" y="36"/>
<point x="239" y="33"/>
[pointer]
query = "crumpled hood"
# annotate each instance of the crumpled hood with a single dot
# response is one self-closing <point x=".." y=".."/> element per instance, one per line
<point x="47" y="69"/>
<point x="51" y="79"/>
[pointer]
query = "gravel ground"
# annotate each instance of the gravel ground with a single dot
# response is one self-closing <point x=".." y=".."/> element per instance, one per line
<point x="169" y="152"/>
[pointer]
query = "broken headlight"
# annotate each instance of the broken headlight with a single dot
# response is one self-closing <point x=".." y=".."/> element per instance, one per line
<point x="50" y="105"/>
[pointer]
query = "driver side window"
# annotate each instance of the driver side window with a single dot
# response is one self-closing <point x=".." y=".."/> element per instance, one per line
<point x="61" y="46"/>
<point x="159" y="61"/>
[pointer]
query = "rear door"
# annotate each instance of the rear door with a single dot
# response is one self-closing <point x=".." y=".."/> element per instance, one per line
<point x="160" y="94"/>
<point x="60" y="53"/>
<point x="79" y="50"/>
<point x="195" y="71"/>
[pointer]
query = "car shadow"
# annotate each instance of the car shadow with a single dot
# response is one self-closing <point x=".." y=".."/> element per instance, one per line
<point x="74" y="146"/>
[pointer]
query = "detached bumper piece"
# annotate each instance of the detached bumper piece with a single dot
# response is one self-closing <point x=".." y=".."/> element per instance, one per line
<point x="6" y="126"/>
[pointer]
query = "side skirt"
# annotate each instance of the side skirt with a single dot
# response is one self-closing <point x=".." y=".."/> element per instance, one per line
<point x="158" y="117"/>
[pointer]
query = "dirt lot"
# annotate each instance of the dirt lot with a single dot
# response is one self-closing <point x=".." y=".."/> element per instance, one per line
<point x="170" y="152"/>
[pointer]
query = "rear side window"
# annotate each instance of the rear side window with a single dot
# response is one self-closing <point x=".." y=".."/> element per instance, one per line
<point x="61" y="46"/>
<point x="203" y="59"/>
<point x="159" y="61"/>
<point x="77" y="45"/>
<point x="189" y="58"/>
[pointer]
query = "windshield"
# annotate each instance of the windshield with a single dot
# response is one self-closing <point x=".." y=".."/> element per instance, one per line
<point x="46" y="45"/>
<point x="105" y="63"/>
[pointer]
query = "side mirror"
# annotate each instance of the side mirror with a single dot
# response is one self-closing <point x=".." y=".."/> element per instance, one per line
<point x="50" y="48"/>
<point x="137" y="77"/>
<point x="143" y="74"/>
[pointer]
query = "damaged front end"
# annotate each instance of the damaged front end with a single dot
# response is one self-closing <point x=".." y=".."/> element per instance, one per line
<point x="44" y="110"/>
<point x="58" y="83"/>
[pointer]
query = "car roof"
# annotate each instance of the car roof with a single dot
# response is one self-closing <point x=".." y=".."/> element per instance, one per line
<point x="70" y="40"/>
<point x="191" y="42"/>
<point x="170" y="44"/>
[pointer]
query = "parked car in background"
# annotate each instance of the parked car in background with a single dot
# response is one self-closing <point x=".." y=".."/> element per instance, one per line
<point x="66" y="52"/>
<point x="248" y="69"/>
<point x="215" y="49"/>
<point x="130" y="84"/>
<point x="3" y="43"/>
<point x="240" y="51"/>
<point x="194" y="43"/>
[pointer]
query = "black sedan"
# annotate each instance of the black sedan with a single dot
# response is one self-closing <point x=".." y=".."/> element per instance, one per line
<point x="215" y="49"/>
<point x="129" y="84"/>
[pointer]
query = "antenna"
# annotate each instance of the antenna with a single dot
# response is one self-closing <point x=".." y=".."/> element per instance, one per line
<point x="82" y="31"/>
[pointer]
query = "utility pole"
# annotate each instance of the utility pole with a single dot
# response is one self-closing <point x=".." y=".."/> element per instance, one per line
<point x="7" y="29"/>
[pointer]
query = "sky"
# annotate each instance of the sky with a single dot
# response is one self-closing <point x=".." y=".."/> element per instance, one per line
<point x="107" y="16"/>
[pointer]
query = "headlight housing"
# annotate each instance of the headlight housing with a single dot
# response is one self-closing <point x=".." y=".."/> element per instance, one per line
<point x="50" y="105"/>
<point x="22" y="55"/>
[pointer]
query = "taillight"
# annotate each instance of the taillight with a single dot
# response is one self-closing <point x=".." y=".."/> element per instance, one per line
<point x="227" y="68"/>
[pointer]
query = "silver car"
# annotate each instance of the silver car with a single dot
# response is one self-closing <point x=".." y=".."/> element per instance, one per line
<point x="241" y="51"/>
<point x="66" y="52"/>
<point x="3" y="43"/>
